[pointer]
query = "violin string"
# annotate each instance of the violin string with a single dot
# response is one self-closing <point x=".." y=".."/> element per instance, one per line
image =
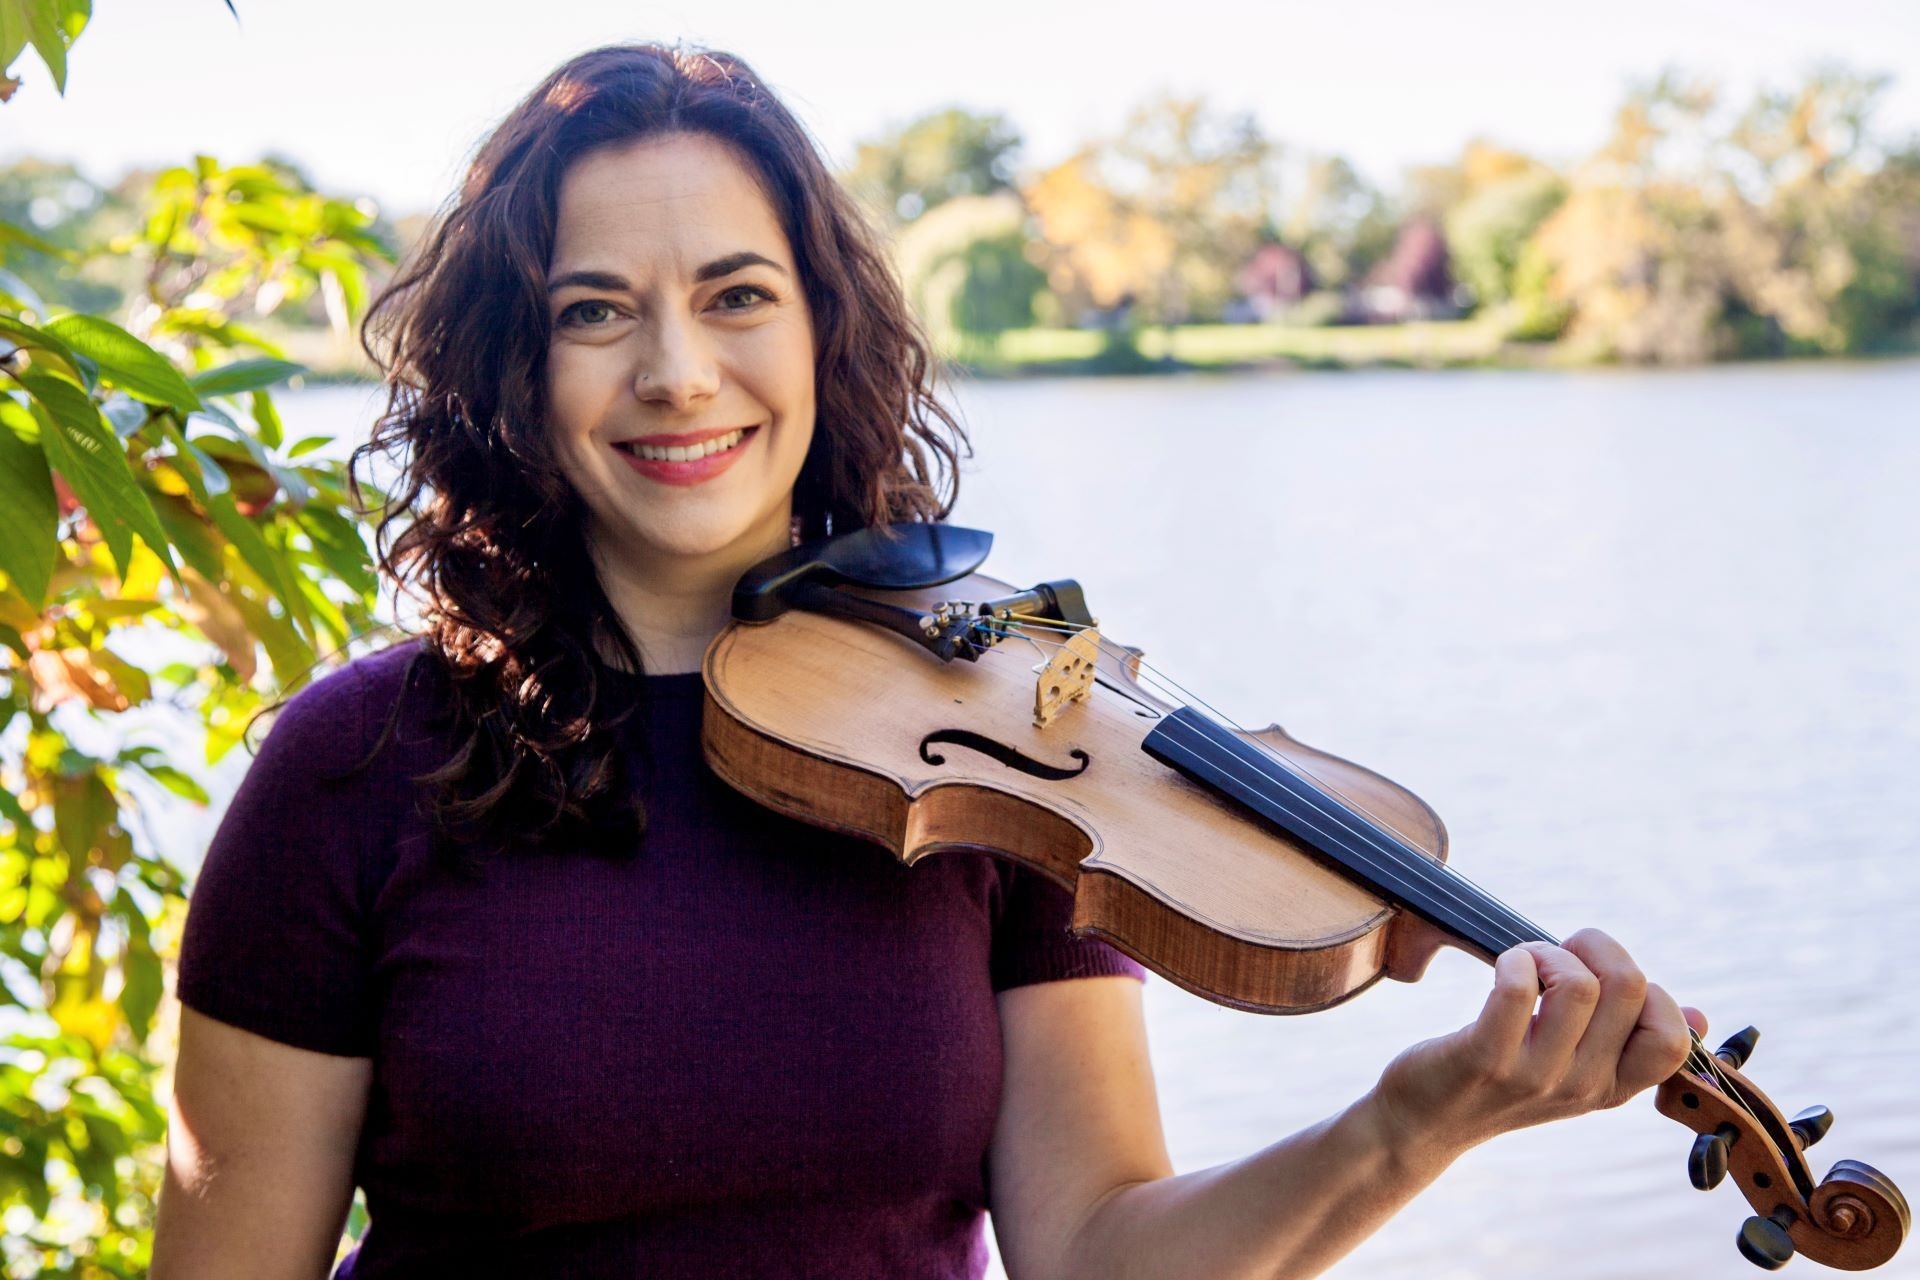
<point x="1401" y="877"/>
<point x="1699" y="1060"/>
<point x="1702" y="1062"/>
<point x="1183" y="696"/>
<point x="1413" y="864"/>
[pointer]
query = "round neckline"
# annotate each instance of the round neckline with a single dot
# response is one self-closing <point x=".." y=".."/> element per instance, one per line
<point x="678" y="684"/>
<point x="670" y="685"/>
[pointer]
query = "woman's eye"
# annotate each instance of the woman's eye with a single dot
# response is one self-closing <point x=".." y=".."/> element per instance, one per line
<point x="572" y="313"/>
<point x="752" y="292"/>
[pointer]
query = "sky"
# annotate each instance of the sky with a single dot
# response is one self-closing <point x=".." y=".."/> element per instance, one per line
<point x="387" y="98"/>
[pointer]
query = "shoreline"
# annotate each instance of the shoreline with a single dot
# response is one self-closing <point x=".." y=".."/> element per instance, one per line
<point x="1022" y="355"/>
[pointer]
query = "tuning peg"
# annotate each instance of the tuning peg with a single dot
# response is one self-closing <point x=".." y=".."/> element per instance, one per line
<point x="1707" y="1162"/>
<point x="1738" y="1048"/>
<point x="1811" y="1125"/>
<point x="1764" y="1241"/>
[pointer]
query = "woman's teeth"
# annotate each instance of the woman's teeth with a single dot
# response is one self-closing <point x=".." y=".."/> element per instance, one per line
<point x="684" y="453"/>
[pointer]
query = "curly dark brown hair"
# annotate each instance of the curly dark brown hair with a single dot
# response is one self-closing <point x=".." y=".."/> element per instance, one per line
<point x="491" y="536"/>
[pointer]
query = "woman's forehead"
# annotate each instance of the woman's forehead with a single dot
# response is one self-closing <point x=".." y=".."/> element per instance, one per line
<point x="669" y="204"/>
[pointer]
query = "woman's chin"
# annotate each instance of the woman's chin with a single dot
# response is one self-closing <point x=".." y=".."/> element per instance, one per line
<point x="706" y="542"/>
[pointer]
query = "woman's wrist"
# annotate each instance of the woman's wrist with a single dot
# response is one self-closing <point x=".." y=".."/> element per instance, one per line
<point x="1412" y="1148"/>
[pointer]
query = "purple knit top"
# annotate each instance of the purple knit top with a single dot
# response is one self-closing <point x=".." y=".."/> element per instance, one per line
<point x="755" y="1049"/>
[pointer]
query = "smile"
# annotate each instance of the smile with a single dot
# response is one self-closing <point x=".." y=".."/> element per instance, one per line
<point x="686" y="461"/>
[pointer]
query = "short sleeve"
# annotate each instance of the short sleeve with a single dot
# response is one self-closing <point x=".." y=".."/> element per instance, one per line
<point x="1033" y="940"/>
<point x="274" y="940"/>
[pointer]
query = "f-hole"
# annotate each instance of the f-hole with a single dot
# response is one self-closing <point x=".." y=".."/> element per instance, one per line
<point x="1000" y="751"/>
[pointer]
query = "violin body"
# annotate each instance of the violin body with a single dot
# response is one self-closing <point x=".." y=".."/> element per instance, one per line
<point x="878" y="685"/>
<point x="824" y="719"/>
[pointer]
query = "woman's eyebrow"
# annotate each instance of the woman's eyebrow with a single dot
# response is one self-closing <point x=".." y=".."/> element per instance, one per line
<point x="711" y="271"/>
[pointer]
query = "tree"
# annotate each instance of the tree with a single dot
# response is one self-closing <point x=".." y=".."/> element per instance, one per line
<point x="157" y="533"/>
<point x="1337" y="219"/>
<point x="1488" y="230"/>
<point x="1167" y="211"/>
<point x="934" y="158"/>
<point x="1691" y="235"/>
<point x="968" y="271"/>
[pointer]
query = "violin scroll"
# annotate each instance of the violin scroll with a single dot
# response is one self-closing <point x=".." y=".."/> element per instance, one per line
<point x="1853" y="1219"/>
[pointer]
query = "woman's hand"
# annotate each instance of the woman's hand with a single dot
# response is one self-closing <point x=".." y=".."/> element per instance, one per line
<point x="1601" y="1035"/>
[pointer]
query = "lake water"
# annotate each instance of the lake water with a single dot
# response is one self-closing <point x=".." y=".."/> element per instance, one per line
<point x="1646" y="641"/>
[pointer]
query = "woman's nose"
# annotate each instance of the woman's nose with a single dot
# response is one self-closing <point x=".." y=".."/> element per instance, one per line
<point x="679" y="368"/>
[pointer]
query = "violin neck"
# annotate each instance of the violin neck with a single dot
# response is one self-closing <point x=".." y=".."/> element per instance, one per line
<point x="1359" y="846"/>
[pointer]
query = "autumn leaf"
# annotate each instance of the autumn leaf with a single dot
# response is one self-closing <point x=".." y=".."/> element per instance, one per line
<point x="61" y="675"/>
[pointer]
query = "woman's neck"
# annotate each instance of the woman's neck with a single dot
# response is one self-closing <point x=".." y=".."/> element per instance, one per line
<point x="673" y="606"/>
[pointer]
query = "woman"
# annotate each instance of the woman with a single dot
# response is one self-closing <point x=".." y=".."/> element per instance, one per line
<point x="581" y="1011"/>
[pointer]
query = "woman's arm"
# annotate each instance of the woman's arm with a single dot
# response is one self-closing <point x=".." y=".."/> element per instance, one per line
<point x="1079" y="1171"/>
<point x="259" y="1156"/>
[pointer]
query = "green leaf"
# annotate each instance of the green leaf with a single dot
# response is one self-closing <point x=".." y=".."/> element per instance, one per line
<point x="337" y="541"/>
<point x="29" y="512"/>
<point x="298" y="491"/>
<point x="259" y="555"/>
<point x="204" y="475"/>
<point x="11" y="810"/>
<point x="84" y="449"/>
<point x="181" y="784"/>
<point x="134" y="366"/>
<point x="267" y="418"/>
<point x="239" y="376"/>
<point x="140" y="997"/>
<point x="292" y="657"/>
<point x="72" y="16"/>
<point x="300" y="448"/>
<point x="198" y="545"/>
<point x="35" y="339"/>
<point x="24" y="22"/>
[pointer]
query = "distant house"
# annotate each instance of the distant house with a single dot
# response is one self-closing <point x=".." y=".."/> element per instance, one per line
<point x="1414" y="280"/>
<point x="1276" y="279"/>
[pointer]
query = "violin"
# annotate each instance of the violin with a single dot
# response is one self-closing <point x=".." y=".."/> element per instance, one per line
<point x="876" y="684"/>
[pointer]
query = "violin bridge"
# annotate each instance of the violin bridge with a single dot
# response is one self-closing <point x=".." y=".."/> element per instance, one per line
<point x="1067" y="677"/>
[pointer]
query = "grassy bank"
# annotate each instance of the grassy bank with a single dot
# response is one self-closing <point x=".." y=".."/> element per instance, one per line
<point x="1024" y="352"/>
<point x="1228" y="346"/>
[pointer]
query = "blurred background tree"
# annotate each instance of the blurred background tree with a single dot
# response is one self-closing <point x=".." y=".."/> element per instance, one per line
<point x="968" y="269"/>
<point x="932" y="159"/>
<point x="1164" y="213"/>
<point x="1340" y="221"/>
<point x="158" y="534"/>
<point x="1698" y="231"/>
<point x="1783" y="229"/>
<point x="1503" y="197"/>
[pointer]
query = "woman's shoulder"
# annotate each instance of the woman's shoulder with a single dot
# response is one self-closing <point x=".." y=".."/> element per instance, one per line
<point x="335" y="718"/>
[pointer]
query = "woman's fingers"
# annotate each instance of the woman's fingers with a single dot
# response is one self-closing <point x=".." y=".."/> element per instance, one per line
<point x="1501" y="1029"/>
<point x="1570" y="994"/>
<point x="1621" y="1008"/>
<point x="1657" y="1047"/>
<point x="1565" y="1030"/>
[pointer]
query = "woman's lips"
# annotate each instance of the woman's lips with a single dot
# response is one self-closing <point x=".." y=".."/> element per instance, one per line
<point x="690" y="471"/>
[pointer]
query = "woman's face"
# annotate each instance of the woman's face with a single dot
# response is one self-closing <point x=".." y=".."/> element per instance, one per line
<point x="680" y="372"/>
